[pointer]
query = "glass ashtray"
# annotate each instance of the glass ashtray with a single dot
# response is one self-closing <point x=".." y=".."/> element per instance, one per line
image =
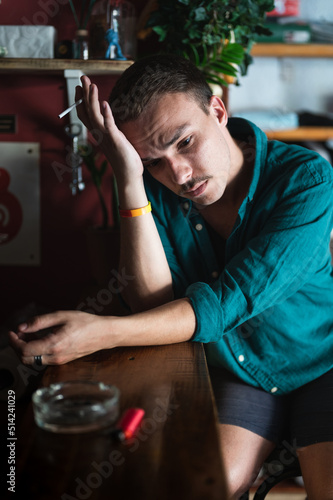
<point x="74" y="406"/>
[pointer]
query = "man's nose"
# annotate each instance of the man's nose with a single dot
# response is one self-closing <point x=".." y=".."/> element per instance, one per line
<point x="180" y="170"/>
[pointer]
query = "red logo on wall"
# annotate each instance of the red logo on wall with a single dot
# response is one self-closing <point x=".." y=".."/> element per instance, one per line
<point x="11" y="215"/>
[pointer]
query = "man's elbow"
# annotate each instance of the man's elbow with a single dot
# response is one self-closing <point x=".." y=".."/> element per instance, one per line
<point x="139" y="303"/>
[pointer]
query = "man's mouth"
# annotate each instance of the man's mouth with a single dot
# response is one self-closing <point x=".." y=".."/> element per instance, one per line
<point x="196" y="190"/>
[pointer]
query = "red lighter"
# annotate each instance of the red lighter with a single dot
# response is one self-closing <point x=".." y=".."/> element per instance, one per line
<point x="128" y="424"/>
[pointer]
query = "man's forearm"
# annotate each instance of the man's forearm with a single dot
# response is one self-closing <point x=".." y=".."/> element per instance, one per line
<point x="166" y="324"/>
<point x="142" y="254"/>
<point x="78" y="333"/>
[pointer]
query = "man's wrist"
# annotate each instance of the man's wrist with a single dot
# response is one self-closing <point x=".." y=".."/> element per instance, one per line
<point x="132" y="195"/>
<point x="136" y="212"/>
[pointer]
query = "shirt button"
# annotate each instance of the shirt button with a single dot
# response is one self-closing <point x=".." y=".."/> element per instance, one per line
<point x="274" y="389"/>
<point x="186" y="205"/>
<point x="215" y="274"/>
<point x="241" y="358"/>
<point x="198" y="227"/>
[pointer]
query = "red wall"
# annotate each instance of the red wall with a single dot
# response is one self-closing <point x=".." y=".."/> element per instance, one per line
<point x="36" y="100"/>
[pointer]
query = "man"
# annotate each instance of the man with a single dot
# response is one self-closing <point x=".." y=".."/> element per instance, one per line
<point x="235" y="255"/>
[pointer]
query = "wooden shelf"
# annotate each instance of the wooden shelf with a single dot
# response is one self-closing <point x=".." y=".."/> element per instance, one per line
<point x="292" y="50"/>
<point x="90" y="67"/>
<point x="302" y="134"/>
<point x="314" y="50"/>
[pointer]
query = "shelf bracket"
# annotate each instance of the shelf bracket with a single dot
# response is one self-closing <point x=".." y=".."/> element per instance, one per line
<point x="72" y="80"/>
<point x="75" y="130"/>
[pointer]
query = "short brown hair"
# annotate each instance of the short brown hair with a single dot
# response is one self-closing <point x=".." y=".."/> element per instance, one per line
<point x="150" y="78"/>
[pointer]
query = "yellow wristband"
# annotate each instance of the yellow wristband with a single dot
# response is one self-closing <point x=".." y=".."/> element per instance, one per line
<point x="136" y="211"/>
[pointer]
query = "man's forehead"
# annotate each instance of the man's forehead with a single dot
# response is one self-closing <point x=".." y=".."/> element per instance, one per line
<point x="164" y="122"/>
<point x="171" y="137"/>
<point x="166" y="114"/>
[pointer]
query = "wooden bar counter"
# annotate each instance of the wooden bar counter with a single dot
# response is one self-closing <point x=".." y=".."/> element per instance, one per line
<point x="174" y="454"/>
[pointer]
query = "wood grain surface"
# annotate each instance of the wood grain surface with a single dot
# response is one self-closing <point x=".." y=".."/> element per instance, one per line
<point x="174" y="454"/>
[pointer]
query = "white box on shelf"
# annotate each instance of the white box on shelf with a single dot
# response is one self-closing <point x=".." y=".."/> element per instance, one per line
<point x="28" y="41"/>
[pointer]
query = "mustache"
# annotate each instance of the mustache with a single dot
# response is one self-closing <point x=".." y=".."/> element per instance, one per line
<point x="192" y="182"/>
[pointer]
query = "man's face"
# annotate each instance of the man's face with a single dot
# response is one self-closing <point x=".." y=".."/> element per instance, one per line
<point x="185" y="149"/>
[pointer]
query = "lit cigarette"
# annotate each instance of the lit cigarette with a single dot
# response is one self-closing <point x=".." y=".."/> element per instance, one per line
<point x="68" y="110"/>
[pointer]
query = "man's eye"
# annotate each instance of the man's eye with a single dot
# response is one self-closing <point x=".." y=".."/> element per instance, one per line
<point x="152" y="163"/>
<point x="186" y="142"/>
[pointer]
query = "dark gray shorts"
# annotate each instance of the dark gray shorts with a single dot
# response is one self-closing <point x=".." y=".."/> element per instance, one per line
<point x="303" y="417"/>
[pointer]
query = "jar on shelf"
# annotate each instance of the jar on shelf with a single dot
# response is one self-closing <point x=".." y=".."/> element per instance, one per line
<point x="81" y="45"/>
<point x="112" y="30"/>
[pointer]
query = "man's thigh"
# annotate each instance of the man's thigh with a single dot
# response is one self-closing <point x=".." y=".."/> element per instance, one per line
<point x="312" y="411"/>
<point x="251" y="408"/>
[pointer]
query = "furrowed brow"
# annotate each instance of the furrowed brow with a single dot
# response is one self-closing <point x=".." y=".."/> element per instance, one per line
<point x="179" y="131"/>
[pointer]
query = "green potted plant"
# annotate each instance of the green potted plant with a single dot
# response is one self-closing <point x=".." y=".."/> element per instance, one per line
<point x="217" y="35"/>
<point x="102" y="240"/>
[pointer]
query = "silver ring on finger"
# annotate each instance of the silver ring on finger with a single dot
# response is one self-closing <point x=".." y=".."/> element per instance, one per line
<point x="38" y="360"/>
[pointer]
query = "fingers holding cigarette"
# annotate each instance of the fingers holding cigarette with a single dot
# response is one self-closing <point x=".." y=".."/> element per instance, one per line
<point x="90" y="113"/>
<point x="81" y="95"/>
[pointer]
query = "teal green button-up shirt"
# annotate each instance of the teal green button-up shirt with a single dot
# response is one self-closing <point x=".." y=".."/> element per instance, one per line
<point x="264" y="300"/>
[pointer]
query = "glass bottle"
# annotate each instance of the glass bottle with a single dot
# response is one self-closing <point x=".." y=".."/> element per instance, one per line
<point x="81" y="45"/>
<point x="118" y="16"/>
<point x="127" y="29"/>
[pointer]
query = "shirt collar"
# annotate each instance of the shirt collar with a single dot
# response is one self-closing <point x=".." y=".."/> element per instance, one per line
<point x="248" y="132"/>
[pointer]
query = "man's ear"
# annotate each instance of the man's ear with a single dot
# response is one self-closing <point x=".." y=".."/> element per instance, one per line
<point x="217" y="108"/>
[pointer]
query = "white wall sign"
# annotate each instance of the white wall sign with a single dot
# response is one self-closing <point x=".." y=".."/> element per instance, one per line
<point x="19" y="203"/>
